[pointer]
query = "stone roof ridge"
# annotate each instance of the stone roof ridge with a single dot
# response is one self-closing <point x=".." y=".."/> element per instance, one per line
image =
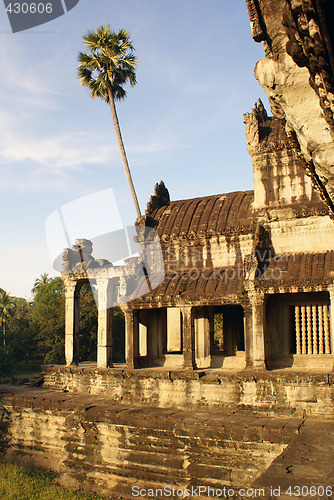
<point x="210" y="196"/>
<point x="215" y="214"/>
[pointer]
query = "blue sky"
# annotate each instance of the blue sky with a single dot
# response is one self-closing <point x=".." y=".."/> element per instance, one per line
<point x="182" y="123"/>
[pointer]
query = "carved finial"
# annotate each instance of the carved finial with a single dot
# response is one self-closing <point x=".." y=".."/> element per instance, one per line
<point x="159" y="199"/>
<point x="252" y="121"/>
<point x="260" y="111"/>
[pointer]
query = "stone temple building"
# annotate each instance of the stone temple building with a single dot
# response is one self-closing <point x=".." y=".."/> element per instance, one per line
<point x="249" y="276"/>
<point x="229" y="314"/>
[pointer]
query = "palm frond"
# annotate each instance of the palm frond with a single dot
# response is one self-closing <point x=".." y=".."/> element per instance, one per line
<point x="109" y="64"/>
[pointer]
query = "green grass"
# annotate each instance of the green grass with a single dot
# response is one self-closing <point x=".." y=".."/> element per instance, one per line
<point x="21" y="483"/>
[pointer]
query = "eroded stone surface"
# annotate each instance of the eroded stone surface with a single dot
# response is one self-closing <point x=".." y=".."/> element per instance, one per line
<point x="109" y="447"/>
<point x="307" y="462"/>
<point x="79" y="259"/>
<point x="297" y="76"/>
<point x="280" y="392"/>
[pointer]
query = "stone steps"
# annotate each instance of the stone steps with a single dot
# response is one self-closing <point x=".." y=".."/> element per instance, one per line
<point x="109" y="447"/>
<point x="288" y="392"/>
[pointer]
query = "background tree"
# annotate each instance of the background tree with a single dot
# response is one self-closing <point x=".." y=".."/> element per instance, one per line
<point x="105" y="69"/>
<point x="48" y="315"/>
<point x="22" y="333"/>
<point x="35" y="331"/>
<point x="6" y="310"/>
<point x="118" y="330"/>
<point x="87" y="325"/>
<point x="6" y="362"/>
<point x="41" y="281"/>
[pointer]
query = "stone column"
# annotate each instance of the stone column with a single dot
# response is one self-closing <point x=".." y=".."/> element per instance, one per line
<point x="173" y="329"/>
<point x="72" y="292"/>
<point x="142" y="340"/>
<point x="248" y="332"/>
<point x="202" y="337"/>
<point x="304" y="330"/>
<point x="258" y="329"/>
<point x="131" y="339"/>
<point x="188" y="338"/>
<point x="299" y="330"/>
<point x="331" y="317"/>
<point x="104" y="329"/>
<point x="212" y="329"/>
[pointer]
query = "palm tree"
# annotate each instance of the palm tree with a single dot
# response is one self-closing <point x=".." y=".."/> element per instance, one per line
<point x="7" y="305"/>
<point x="110" y="64"/>
<point x="42" y="280"/>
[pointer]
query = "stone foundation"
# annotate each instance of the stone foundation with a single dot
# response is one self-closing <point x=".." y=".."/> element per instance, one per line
<point x="108" y="447"/>
<point x="284" y="392"/>
<point x="109" y="431"/>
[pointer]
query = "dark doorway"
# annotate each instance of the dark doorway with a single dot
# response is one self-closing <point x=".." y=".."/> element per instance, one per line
<point x="228" y="330"/>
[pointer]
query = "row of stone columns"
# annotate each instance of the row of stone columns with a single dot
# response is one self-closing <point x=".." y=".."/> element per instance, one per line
<point x="331" y="316"/>
<point x="104" y="333"/>
<point x="313" y="334"/>
<point x="72" y="319"/>
<point x="254" y="328"/>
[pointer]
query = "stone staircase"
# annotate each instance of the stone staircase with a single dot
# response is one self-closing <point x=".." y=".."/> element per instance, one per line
<point x="110" y="448"/>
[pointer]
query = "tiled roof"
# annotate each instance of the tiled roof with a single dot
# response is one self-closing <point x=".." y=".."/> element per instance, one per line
<point x="300" y="269"/>
<point x="193" y="285"/>
<point x="219" y="285"/>
<point x="217" y="214"/>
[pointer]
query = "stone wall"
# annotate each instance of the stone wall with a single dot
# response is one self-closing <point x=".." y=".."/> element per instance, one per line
<point x="107" y="447"/>
<point x="279" y="392"/>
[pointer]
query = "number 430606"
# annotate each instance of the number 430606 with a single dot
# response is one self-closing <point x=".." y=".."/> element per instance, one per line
<point x="309" y="491"/>
<point x="29" y="8"/>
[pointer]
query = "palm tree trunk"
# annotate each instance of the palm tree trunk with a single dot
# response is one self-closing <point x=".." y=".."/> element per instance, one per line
<point x="4" y="331"/>
<point x="122" y="151"/>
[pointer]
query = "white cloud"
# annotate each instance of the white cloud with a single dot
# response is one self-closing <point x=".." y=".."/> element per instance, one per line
<point x="65" y="150"/>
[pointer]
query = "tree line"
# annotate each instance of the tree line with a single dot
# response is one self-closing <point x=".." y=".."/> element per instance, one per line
<point x="34" y="331"/>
